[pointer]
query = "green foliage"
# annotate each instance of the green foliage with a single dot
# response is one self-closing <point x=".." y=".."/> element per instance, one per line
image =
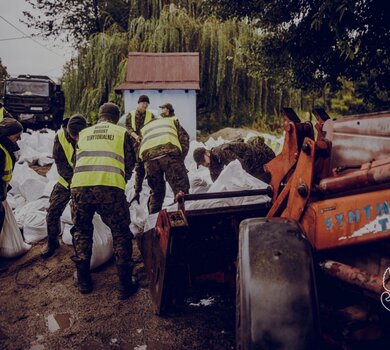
<point x="3" y="75"/>
<point x="312" y="44"/>
<point x="88" y="80"/>
<point x="78" y="19"/>
<point x="243" y="82"/>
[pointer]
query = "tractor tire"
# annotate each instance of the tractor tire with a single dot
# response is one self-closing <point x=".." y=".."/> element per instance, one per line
<point x="276" y="299"/>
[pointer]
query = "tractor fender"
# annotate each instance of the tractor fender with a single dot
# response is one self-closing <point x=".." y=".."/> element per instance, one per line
<point x="276" y="299"/>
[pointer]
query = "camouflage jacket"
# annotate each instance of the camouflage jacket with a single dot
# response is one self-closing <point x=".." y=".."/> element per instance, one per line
<point x="252" y="157"/>
<point x="63" y="167"/>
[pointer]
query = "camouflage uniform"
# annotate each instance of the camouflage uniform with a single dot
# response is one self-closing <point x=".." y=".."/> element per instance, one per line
<point x="169" y="160"/>
<point x="60" y="195"/>
<point x="110" y="203"/>
<point x="252" y="156"/>
<point x="139" y="165"/>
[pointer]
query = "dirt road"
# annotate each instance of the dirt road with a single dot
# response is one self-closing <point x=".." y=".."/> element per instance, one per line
<point x="40" y="308"/>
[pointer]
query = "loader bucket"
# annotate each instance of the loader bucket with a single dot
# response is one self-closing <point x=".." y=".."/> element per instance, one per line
<point x="186" y="247"/>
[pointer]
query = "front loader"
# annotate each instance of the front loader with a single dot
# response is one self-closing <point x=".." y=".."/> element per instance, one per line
<point x="328" y="215"/>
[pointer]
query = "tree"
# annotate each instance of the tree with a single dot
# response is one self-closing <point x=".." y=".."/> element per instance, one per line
<point x="3" y="75"/>
<point x="77" y="19"/>
<point x="313" y="43"/>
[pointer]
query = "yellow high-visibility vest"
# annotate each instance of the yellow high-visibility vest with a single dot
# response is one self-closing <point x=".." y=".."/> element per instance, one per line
<point x="68" y="150"/>
<point x="100" y="158"/>
<point x="157" y="133"/>
<point x="148" y="118"/>
<point x="7" y="167"/>
<point x="1" y="114"/>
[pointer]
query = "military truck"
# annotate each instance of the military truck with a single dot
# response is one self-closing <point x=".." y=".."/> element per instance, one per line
<point x="34" y="100"/>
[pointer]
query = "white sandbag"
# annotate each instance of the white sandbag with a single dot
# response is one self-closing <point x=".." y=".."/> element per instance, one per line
<point x="20" y="213"/>
<point x="15" y="201"/>
<point x="48" y="188"/>
<point x="102" y="249"/>
<point x="138" y="212"/>
<point x="52" y="174"/>
<point x="232" y="178"/>
<point x="11" y="240"/>
<point x="34" y="227"/>
<point x="211" y="142"/>
<point x="37" y="147"/>
<point x="32" y="189"/>
<point x="66" y="216"/>
<point x="20" y="173"/>
<point x="66" y="235"/>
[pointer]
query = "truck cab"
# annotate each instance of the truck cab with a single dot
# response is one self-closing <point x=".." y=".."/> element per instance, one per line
<point x="34" y="100"/>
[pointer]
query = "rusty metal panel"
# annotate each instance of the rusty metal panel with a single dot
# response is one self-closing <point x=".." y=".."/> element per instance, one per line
<point x="349" y="220"/>
<point x="165" y="71"/>
<point x="359" y="139"/>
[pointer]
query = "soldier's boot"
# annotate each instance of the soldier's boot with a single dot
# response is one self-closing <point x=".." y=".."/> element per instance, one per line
<point x="127" y="285"/>
<point x="82" y="277"/>
<point x="52" y="246"/>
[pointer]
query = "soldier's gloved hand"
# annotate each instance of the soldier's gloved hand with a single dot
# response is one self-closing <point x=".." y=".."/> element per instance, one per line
<point x="135" y="198"/>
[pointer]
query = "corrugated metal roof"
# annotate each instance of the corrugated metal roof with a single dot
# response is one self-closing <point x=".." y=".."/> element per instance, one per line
<point x="161" y="71"/>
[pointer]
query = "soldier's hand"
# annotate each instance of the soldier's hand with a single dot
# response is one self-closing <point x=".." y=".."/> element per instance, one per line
<point x="135" y="198"/>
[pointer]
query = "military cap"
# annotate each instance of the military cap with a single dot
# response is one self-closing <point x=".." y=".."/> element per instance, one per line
<point x="75" y="124"/>
<point x="9" y="127"/>
<point x="143" y="98"/>
<point x="169" y="106"/>
<point x="110" y="111"/>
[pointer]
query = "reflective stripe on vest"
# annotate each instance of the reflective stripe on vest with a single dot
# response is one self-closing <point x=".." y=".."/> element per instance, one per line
<point x="68" y="150"/>
<point x="100" y="158"/>
<point x="157" y="133"/>
<point x="1" y="114"/>
<point x="148" y="118"/>
<point x="7" y="166"/>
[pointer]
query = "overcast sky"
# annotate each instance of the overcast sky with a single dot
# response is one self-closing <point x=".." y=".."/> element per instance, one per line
<point x="28" y="56"/>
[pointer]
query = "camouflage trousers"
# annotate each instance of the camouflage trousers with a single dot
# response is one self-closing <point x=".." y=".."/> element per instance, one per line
<point x="175" y="174"/>
<point x="115" y="215"/>
<point x="59" y="198"/>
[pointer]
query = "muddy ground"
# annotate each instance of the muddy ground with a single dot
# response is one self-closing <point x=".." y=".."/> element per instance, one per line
<point x="40" y="308"/>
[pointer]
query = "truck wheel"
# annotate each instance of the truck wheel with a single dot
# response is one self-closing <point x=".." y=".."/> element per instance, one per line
<point x="276" y="300"/>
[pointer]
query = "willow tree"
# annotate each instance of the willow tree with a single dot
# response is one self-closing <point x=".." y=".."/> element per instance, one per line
<point x="228" y="95"/>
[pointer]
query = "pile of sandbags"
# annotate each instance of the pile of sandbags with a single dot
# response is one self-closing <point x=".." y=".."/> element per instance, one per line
<point x="29" y="197"/>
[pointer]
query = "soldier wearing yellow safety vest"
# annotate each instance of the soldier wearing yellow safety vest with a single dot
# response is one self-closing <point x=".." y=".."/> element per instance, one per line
<point x="10" y="131"/>
<point x="164" y="146"/>
<point x="4" y="113"/>
<point x="104" y="162"/>
<point x="135" y="120"/>
<point x="63" y="153"/>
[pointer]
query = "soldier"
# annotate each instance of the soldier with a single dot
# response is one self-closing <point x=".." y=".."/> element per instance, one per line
<point x="135" y="120"/>
<point x="3" y="112"/>
<point x="164" y="146"/>
<point x="10" y="131"/>
<point x="252" y="156"/>
<point x="105" y="160"/>
<point x="63" y="153"/>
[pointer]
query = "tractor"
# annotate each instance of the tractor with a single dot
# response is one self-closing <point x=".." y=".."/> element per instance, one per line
<point x="326" y="226"/>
